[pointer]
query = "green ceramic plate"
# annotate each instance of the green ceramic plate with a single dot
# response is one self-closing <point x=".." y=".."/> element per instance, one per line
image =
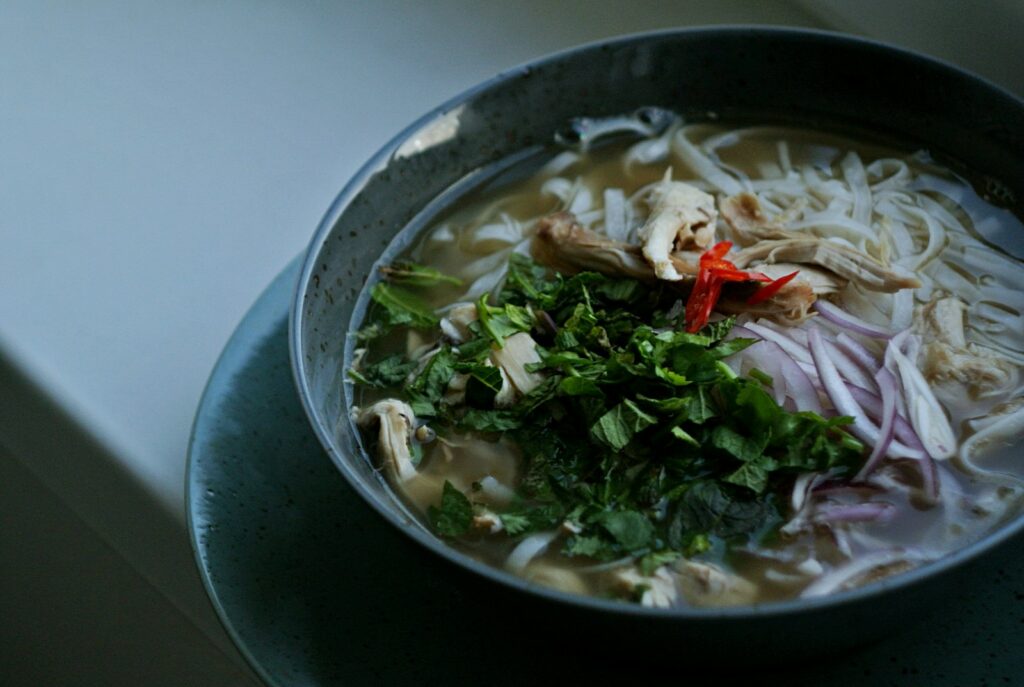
<point x="317" y="589"/>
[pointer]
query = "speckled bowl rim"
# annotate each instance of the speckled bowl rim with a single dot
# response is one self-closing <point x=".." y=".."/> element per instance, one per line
<point x="321" y="426"/>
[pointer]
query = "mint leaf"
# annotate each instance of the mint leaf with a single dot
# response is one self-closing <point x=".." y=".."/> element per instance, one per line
<point x="617" y="427"/>
<point x="490" y="420"/>
<point x="483" y="385"/>
<point x="455" y="516"/>
<point x="387" y="372"/>
<point x="426" y="391"/>
<point x="417" y="275"/>
<point x="402" y="307"/>
<point x="630" y="529"/>
<point x="499" y="323"/>
<point x="579" y="386"/>
<point x="752" y="475"/>
<point x="707" y="507"/>
<point x="740" y="447"/>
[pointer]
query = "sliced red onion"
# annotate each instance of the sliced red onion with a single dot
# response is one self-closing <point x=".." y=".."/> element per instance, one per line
<point x="855" y="512"/>
<point x="798" y="335"/>
<point x="926" y="415"/>
<point x="842" y="399"/>
<point x="849" y="370"/>
<point x="802" y="486"/>
<point x="860" y="355"/>
<point x="853" y="490"/>
<point x="929" y="476"/>
<point x="797" y="351"/>
<point x="872" y="403"/>
<point x="838" y="316"/>
<point x="887" y="385"/>
<point x="788" y="377"/>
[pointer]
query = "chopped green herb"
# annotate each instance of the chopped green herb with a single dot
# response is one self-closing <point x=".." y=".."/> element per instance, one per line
<point x="401" y="307"/>
<point x="417" y="275"/>
<point x="640" y="434"/>
<point x="455" y="515"/>
<point x="388" y="372"/>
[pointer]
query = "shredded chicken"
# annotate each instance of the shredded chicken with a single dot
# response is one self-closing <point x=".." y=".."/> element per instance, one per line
<point x="567" y="247"/>
<point x="396" y="421"/>
<point x="682" y="216"/>
<point x="518" y="351"/>
<point x="946" y="357"/>
<point x="848" y="263"/>
<point x="455" y="394"/>
<point x="822" y="282"/>
<point x="487" y="522"/>
<point x="556" y="577"/>
<point x="790" y="306"/>
<point x="658" y="590"/>
<point x="748" y="222"/>
<point x="507" y="394"/>
<point x="707" y="585"/>
<point x="768" y="241"/>
<point x="455" y="324"/>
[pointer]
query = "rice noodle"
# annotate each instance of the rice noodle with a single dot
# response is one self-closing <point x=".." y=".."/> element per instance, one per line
<point x="528" y="549"/>
<point x="835" y="579"/>
<point x="895" y="212"/>
<point x="702" y="166"/>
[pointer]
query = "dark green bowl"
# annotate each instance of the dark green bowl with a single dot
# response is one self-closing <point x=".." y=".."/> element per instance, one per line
<point x="805" y="78"/>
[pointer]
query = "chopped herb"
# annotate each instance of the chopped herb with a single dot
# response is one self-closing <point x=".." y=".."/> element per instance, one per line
<point x="640" y="434"/>
<point x="417" y="275"/>
<point x="455" y="515"/>
<point x="387" y="372"/>
<point x="401" y="307"/>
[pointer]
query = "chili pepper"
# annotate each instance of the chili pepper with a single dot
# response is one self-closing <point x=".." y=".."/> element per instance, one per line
<point x="738" y="275"/>
<point x="770" y="289"/>
<point x="716" y="252"/>
<point x="714" y="271"/>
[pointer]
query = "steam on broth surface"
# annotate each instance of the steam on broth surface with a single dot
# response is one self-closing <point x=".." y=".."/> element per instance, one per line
<point x="573" y="377"/>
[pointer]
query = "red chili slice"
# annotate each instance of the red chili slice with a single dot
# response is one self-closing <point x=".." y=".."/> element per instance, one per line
<point x="769" y="290"/>
<point x="738" y="275"/>
<point x="716" y="252"/>
<point x="715" y="271"/>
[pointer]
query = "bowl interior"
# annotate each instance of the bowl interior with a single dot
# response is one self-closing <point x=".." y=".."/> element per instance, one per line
<point x="804" y="78"/>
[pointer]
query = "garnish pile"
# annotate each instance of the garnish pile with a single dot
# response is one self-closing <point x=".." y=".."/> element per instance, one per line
<point x="640" y="440"/>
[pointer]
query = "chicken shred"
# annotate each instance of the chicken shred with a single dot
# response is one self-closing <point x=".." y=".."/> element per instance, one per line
<point x="848" y="263"/>
<point x="767" y="241"/>
<point x="396" y="420"/>
<point x="518" y="351"/>
<point x="565" y="246"/>
<point x="947" y="357"/>
<point x="682" y="216"/>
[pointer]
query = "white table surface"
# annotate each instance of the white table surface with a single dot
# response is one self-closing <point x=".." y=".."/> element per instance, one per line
<point x="160" y="162"/>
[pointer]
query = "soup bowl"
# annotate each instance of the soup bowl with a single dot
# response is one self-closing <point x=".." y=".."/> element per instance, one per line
<point x="803" y="78"/>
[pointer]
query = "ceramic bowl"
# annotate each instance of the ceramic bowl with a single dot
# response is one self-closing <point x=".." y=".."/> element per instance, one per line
<point x="817" y="79"/>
